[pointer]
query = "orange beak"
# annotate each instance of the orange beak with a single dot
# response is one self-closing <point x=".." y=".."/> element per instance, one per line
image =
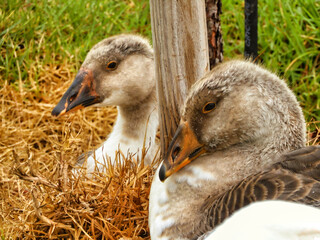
<point x="183" y="149"/>
<point x="82" y="93"/>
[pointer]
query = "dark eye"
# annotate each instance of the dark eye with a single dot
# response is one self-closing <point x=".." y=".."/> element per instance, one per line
<point x="112" y="65"/>
<point x="208" y="107"/>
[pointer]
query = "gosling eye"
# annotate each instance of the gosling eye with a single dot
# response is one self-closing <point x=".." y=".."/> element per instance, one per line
<point x="208" y="107"/>
<point x="112" y="65"/>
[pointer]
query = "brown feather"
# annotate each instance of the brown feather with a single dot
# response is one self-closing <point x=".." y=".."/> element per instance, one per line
<point x="296" y="179"/>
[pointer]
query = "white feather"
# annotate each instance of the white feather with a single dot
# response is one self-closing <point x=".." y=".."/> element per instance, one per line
<point x="270" y="220"/>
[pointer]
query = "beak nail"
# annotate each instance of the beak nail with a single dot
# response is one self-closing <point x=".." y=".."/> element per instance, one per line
<point x="162" y="173"/>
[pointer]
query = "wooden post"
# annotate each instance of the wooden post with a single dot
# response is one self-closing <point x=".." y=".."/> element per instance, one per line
<point x="180" y="44"/>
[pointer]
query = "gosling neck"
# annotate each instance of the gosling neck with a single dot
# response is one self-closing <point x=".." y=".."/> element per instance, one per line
<point x="225" y="168"/>
<point x="134" y="121"/>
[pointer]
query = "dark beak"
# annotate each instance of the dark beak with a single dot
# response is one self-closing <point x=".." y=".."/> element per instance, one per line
<point x="82" y="93"/>
<point x="183" y="148"/>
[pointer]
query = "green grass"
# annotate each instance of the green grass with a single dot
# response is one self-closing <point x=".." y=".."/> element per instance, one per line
<point x="34" y="33"/>
<point x="61" y="30"/>
<point x="289" y="44"/>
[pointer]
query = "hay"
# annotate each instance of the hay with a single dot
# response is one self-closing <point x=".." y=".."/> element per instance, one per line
<point x="40" y="196"/>
<point x="314" y="136"/>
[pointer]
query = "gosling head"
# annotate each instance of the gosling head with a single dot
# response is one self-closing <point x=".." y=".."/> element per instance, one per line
<point x="116" y="71"/>
<point x="238" y="104"/>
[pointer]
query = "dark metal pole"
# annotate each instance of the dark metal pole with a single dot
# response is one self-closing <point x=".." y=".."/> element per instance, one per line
<point x="251" y="29"/>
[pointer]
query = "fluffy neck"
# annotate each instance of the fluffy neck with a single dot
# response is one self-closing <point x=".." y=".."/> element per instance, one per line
<point x="226" y="168"/>
<point x="176" y="205"/>
<point x="137" y="124"/>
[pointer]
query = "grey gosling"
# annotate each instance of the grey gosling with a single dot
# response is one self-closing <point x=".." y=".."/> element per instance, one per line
<point x="118" y="71"/>
<point x="235" y="144"/>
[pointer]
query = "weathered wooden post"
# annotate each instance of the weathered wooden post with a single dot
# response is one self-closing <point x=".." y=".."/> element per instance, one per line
<point x="179" y="33"/>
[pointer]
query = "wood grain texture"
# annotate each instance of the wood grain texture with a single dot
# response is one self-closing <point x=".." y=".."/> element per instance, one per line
<point x="180" y="44"/>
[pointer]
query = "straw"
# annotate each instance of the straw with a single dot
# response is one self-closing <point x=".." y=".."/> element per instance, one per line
<point x="40" y="196"/>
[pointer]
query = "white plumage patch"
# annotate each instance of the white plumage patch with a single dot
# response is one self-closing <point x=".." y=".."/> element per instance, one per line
<point x="269" y="220"/>
<point x="117" y="141"/>
<point x="159" y="204"/>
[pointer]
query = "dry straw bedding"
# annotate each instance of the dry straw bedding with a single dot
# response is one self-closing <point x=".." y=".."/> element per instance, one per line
<point x="40" y="196"/>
